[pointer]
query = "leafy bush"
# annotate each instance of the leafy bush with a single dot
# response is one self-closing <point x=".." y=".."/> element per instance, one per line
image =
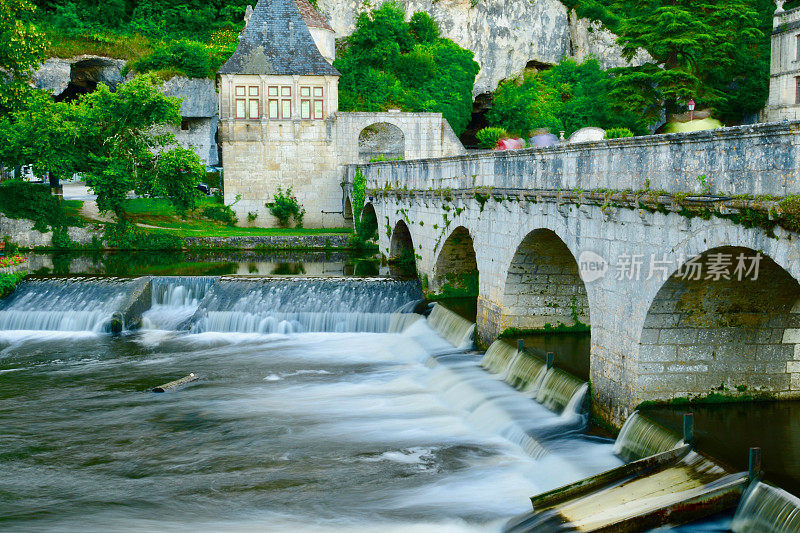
<point x="125" y="236"/>
<point x="618" y="133"/>
<point x="488" y="137"/>
<point x="33" y="201"/>
<point x="9" y="282"/>
<point x="214" y="180"/>
<point x="568" y="97"/>
<point x="10" y="247"/>
<point x="220" y="213"/>
<point x="285" y="206"/>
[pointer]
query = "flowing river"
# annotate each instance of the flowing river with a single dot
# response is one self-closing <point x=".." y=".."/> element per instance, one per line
<point x="323" y="405"/>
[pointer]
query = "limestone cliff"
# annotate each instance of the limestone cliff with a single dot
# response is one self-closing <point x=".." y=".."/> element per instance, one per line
<point x="505" y="35"/>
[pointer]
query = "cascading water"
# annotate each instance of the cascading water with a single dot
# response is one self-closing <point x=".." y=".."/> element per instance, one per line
<point x="767" y="509"/>
<point x="559" y="390"/>
<point x="539" y="427"/>
<point x="300" y="305"/>
<point x="498" y="357"/>
<point x="81" y="304"/>
<point x="453" y="328"/>
<point x="175" y="300"/>
<point x="641" y="437"/>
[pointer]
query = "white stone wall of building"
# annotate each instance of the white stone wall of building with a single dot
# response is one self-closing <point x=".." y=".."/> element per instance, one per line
<point x="784" y="68"/>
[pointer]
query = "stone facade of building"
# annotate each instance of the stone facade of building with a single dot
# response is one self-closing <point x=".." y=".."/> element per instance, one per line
<point x="280" y="125"/>
<point x="784" y="87"/>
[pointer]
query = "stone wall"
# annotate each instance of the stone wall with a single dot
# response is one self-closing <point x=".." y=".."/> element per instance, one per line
<point x="758" y="159"/>
<point x="200" y="112"/>
<point x="21" y="232"/>
<point x="425" y="135"/>
<point x="272" y="242"/>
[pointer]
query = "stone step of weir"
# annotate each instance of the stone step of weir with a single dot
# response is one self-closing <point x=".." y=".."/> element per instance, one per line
<point x="133" y="307"/>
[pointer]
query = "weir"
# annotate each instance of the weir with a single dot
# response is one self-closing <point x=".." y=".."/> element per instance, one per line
<point x="77" y="304"/>
<point x="297" y="305"/>
<point x="663" y="482"/>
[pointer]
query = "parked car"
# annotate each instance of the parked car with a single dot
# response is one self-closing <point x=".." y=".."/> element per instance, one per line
<point x="203" y="188"/>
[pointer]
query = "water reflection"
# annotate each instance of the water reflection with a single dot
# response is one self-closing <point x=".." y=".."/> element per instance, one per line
<point x="227" y="263"/>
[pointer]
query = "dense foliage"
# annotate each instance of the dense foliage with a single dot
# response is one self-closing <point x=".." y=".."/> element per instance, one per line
<point x="717" y="52"/>
<point x="567" y="97"/>
<point x="116" y="140"/>
<point x="33" y="202"/>
<point x="22" y="47"/>
<point x="488" y="137"/>
<point x="160" y="19"/>
<point x="9" y="282"/>
<point x="390" y="63"/>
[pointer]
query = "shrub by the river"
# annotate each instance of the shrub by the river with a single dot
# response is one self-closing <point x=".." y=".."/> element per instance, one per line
<point x="285" y="206"/>
<point x="221" y="213"/>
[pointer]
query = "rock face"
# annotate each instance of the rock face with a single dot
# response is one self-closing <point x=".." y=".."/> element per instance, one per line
<point x="71" y="77"/>
<point x="504" y="35"/>
<point x="591" y="39"/>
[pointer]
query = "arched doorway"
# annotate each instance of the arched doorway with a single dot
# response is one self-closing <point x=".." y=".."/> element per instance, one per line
<point x="401" y="251"/>
<point x="368" y="223"/>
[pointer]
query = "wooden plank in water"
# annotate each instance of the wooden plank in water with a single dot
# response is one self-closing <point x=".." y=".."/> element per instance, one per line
<point x="177" y="383"/>
<point x="693" y="488"/>
<point x="603" y="480"/>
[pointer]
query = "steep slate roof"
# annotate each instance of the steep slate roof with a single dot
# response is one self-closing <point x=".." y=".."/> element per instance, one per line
<point x="313" y="18"/>
<point x="277" y="41"/>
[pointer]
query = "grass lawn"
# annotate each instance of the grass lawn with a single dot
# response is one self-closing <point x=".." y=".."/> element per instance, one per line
<point x="158" y="216"/>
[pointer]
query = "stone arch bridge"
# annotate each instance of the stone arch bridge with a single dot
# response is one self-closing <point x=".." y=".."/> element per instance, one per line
<point x="679" y="251"/>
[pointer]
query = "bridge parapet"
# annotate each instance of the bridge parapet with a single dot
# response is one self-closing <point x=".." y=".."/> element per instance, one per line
<point x="757" y="160"/>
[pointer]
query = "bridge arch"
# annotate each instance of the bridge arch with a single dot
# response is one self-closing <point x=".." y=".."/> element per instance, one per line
<point x="735" y="333"/>
<point x="381" y="141"/>
<point x="368" y="222"/>
<point x="402" y="245"/>
<point x="543" y="287"/>
<point x="457" y="265"/>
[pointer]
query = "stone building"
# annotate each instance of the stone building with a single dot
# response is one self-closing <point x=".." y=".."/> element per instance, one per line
<point x="784" y="86"/>
<point x="280" y="124"/>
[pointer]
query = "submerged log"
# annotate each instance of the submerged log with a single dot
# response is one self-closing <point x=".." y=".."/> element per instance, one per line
<point x="177" y="383"/>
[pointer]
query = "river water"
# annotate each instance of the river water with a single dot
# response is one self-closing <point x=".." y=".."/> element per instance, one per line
<point x="300" y="430"/>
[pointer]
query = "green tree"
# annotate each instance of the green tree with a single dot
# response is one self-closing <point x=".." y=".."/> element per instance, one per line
<point x="388" y="63"/>
<point x="43" y="134"/>
<point x="22" y="49"/>
<point x="692" y="40"/>
<point x="125" y="147"/>
<point x="567" y="97"/>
